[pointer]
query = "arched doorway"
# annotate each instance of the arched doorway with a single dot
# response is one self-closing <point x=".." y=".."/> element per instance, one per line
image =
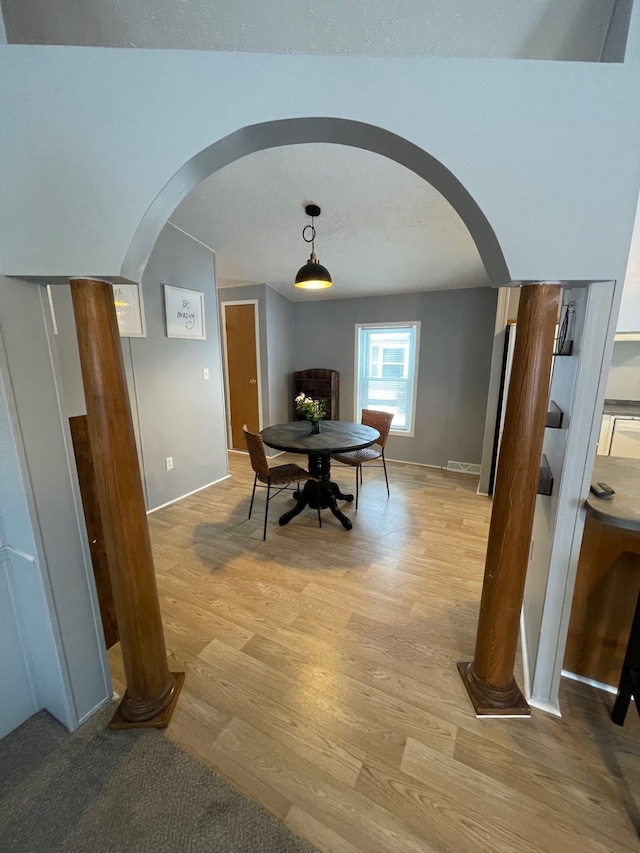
<point x="258" y="137"/>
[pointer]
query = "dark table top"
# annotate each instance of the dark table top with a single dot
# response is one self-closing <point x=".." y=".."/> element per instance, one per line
<point x="334" y="437"/>
<point x="623" y="509"/>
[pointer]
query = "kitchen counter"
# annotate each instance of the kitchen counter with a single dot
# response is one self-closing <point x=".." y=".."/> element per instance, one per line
<point x="608" y="575"/>
<point x="622" y="407"/>
<point x="623" y="509"/>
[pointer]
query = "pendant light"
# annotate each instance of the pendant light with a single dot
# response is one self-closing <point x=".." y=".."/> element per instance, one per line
<point x="312" y="276"/>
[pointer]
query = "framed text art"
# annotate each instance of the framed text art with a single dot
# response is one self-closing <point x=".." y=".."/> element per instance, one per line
<point x="129" y="310"/>
<point x="184" y="313"/>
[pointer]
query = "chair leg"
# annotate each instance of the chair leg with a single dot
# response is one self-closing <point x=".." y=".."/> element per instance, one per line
<point x="266" y="512"/>
<point x="623" y="699"/>
<point x="628" y="681"/>
<point x="358" y="477"/>
<point x="253" y="494"/>
<point x="386" y="479"/>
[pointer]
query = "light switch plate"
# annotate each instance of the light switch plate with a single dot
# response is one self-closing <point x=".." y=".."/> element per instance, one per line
<point x="168" y="462"/>
<point x="205" y="372"/>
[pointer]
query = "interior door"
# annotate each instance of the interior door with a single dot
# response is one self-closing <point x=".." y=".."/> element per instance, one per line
<point x="242" y="370"/>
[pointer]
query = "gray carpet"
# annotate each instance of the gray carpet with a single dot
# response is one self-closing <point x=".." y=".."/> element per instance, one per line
<point x="96" y="791"/>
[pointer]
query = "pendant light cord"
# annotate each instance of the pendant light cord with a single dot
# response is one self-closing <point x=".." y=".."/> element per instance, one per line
<point x="311" y="239"/>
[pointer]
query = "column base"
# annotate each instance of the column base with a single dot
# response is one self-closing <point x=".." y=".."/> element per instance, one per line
<point x="161" y="719"/>
<point x="489" y="702"/>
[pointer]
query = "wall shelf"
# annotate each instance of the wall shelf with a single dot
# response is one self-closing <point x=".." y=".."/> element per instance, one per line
<point x="545" y="478"/>
<point x="554" y="416"/>
<point x="567" y="349"/>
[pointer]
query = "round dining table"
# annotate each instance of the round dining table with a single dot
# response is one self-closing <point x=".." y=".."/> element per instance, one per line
<point x="334" y="437"/>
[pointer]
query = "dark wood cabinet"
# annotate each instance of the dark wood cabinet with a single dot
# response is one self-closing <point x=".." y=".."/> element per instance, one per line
<point x="319" y="384"/>
<point x="93" y="520"/>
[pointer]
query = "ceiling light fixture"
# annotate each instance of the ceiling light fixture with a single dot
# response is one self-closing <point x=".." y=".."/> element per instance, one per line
<point x="312" y="276"/>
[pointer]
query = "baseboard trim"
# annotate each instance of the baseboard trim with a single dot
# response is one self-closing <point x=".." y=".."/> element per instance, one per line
<point x="540" y="704"/>
<point x="589" y="681"/>
<point x="524" y="648"/>
<point x="188" y="494"/>
<point x="9" y="551"/>
<point x="547" y="707"/>
<point x="419" y="464"/>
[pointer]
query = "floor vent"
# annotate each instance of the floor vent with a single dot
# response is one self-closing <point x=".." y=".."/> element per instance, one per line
<point x="463" y="467"/>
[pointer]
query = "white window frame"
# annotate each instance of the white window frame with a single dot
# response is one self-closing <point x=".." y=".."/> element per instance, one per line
<point x="357" y="409"/>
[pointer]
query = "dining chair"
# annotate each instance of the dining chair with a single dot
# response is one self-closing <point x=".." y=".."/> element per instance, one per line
<point x="357" y="458"/>
<point x="277" y="475"/>
<point x="629" y="685"/>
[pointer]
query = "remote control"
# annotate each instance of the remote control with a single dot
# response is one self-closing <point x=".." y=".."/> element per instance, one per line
<point x="602" y="490"/>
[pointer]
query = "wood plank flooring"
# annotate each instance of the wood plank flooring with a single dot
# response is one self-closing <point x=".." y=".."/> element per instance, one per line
<point x="322" y="682"/>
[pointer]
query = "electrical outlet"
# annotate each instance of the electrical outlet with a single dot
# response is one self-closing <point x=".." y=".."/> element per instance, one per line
<point x="205" y="372"/>
<point x="168" y="463"/>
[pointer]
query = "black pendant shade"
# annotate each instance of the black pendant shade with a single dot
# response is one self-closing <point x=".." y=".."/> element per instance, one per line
<point x="312" y="276"/>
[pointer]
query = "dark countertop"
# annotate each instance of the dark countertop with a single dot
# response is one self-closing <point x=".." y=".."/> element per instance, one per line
<point x="622" y="407"/>
<point x="623" y="509"/>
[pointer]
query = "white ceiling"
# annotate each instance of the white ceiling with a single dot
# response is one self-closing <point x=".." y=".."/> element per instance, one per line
<point x="382" y="228"/>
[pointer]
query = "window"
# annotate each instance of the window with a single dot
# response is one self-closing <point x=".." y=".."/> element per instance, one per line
<point x="387" y="371"/>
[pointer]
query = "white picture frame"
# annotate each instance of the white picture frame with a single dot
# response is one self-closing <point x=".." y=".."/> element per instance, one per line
<point x="129" y="310"/>
<point x="184" y="313"/>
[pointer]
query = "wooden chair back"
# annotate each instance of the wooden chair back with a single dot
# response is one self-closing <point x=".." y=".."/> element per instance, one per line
<point x="257" y="455"/>
<point x="380" y="421"/>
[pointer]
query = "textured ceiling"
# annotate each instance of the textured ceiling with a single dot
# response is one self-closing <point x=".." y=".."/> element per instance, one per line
<point x="520" y="29"/>
<point x="382" y="229"/>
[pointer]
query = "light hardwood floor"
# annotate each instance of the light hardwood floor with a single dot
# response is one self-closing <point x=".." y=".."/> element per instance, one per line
<point x="322" y="682"/>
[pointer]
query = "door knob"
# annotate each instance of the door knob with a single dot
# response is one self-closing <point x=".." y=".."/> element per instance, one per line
<point x="252" y="382"/>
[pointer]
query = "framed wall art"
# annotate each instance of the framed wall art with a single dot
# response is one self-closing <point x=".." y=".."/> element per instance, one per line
<point x="184" y="313"/>
<point x="129" y="310"/>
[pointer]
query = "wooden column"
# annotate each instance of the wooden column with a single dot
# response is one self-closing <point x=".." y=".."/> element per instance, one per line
<point x="489" y="677"/>
<point x="152" y="690"/>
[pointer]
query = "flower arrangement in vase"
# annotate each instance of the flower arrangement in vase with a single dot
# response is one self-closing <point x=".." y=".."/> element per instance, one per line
<point x="313" y="410"/>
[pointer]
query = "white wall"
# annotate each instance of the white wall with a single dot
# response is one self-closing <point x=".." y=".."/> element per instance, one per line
<point x="624" y="373"/>
<point x="548" y="150"/>
<point x="44" y="549"/>
<point x="19" y="700"/>
<point x="577" y="386"/>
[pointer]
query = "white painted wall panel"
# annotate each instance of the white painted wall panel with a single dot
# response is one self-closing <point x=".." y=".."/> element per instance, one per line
<point x="52" y="582"/>
<point x="17" y="702"/>
<point x="548" y="150"/>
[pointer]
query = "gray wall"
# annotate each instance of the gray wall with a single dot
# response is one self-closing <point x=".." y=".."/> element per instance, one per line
<point x="624" y="373"/>
<point x="45" y="563"/>
<point x="175" y="411"/>
<point x="453" y="374"/>
<point x="280" y="338"/>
